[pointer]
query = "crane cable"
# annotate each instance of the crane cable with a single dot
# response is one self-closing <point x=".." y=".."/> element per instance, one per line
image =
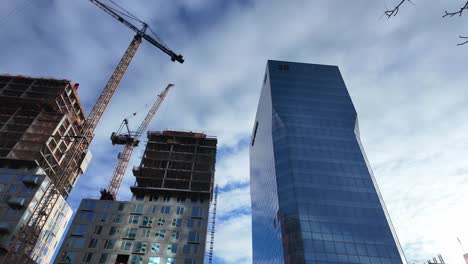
<point x="126" y="13"/>
<point x="15" y="10"/>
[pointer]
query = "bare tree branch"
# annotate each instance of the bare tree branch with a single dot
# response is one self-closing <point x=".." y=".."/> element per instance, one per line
<point x="394" y="11"/>
<point x="459" y="12"/>
<point x="463" y="43"/>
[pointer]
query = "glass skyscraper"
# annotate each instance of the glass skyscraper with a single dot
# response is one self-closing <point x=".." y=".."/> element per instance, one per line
<point x="314" y="198"/>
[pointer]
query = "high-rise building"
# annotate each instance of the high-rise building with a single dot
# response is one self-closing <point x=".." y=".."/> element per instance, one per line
<point x="39" y="120"/>
<point x="22" y="184"/>
<point x="314" y="197"/>
<point x="165" y="222"/>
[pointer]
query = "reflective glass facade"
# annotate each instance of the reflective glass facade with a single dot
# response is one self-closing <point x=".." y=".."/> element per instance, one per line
<point x="314" y="198"/>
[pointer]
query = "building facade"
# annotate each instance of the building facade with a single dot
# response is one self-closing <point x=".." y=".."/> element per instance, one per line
<point x="22" y="184"/>
<point x="165" y="222"/>
<point x="40" y="119"/>
<point x="314" y="197"/>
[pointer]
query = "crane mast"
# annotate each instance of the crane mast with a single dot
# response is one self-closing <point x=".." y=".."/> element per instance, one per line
<point x="22" y="246"/>
<point x="130" y="141"/>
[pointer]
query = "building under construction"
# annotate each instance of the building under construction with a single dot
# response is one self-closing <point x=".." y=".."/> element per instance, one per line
<point x="39" y="120"/>
<point x="166" y="221"/>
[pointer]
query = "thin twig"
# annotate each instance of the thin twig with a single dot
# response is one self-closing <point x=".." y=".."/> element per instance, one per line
<point x="394" y="11"/>
<point x="463" y="43"/>
<point x="459" y="12"/>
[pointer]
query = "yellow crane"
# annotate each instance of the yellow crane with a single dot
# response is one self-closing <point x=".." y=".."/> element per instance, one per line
<point x="22" y="246"/>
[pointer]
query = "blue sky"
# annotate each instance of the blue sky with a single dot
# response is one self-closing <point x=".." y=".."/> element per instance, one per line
<point x="406" y="76"/>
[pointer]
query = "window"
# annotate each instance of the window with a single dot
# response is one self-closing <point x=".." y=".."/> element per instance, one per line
<point x="87" y="257"/>
<point x="26" y="215"/>
<point x="137" y="209"/>
<point x="130" y="233"/>
<point x="103" y="217"/>
<point x="194" y="237"/>
<point x="254" y="135"/>
<point x="154" y="209"/>
<point x="194" y="223"/>
<point x="113" y="231"/>
<point x="147" y="221"/>
<point x="180" y="210"/>
<point x="283" y="67"/>
<point x="92" y="243"/>
<point x="118" y="219"/>
<point x="154" y="260"/>
<point x="171" y="249"/>
<point x="139" y="197"/>
<point x="190" y="261"/>
<point x="165" y="209"/>
<point x="75" y="242"/>
<point x="145" y="232"/>
<point x="79" y="230"/>
<point x="186" y="249"/>
<point x="177" y="222"/>
<point x="167" y="199"/>
<point x="13" y="188"/>
<point x="109" y="244"/>
<point x="197" y="212"/>
<point x="103" y="258"/>
<point x="133" y="219"/>
<point x="107" y="205"/>
<point x="155" y="247"/>
<point x="86" y="216"/>
<point x="68" y="257"/>
<point x="180" y="199"/>
<point x="121" y="206"/>
<point x="125" y="245"/>
<point x="139" y="247"/>
<point x="175" y="235"/>
<point x="170" y="261"/>
<point x="153" y="198"/>
<point x="160" y="234"/>
<point x="161" y="221"/>
<point x="89" y="204"/>
<point x="5" y="177"/>
<point x="137" y="260"/>
<point x="97" y="229"/>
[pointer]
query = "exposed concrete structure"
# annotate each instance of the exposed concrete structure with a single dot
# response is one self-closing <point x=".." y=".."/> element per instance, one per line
<point x="167" y="219"/>
<point x="39" y="120"/>
<point x="22" y="184"/>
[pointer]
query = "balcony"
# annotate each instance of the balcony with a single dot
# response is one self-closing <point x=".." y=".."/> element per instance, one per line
<point x="16" y="202"/>
<point x="31" y="181"/>
<point x="4" y="228"/>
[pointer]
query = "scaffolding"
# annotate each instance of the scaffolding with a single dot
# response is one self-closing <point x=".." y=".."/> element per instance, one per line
<point x="213" y="224"/>
<point x="39" y="120"/>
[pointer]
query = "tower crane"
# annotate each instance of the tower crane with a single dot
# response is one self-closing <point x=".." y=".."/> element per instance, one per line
<point x="22" y="246"/>
<point x="130" y="140"/>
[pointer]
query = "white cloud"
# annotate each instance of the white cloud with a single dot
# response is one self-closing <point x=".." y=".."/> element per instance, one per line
<point x="233" y="243"/>
<point x="233" y="168"/>
<point x="235" y="200"/>
<point x="405" y="75"/>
